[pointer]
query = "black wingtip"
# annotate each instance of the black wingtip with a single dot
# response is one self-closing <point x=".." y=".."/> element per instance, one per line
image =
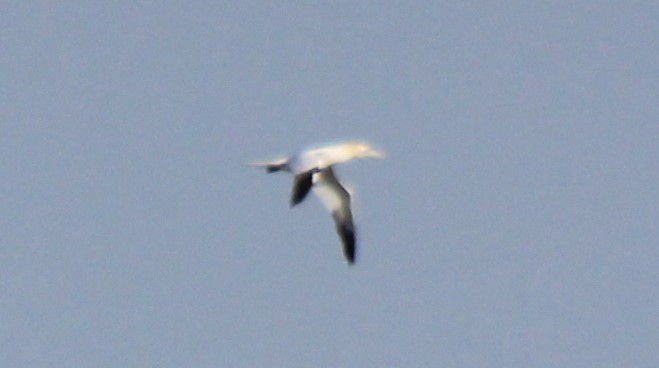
<point x="350" y="255"/>
<point x="301" y="187"/>
<point x="349" y="245"/>
<point x="297" y="199"/>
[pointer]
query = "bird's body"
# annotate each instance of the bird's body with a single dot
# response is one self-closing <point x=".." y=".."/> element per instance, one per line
<point x="312" y="169"/>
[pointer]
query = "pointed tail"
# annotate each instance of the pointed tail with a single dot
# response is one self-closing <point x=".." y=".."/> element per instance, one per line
<point x="272" y="166"/>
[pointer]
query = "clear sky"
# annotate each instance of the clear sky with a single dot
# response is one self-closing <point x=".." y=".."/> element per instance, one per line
<point x="513" y="224"/>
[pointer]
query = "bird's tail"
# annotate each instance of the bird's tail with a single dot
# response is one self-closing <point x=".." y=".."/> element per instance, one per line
<point x="275" y="168"/>
<point x="272" y="166"/>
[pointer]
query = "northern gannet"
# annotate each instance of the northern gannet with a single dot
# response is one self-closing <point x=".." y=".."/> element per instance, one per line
<point x="313" y="170"/>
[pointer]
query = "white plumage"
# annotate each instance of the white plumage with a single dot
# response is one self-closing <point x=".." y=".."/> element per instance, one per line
<point x="312" y="169"/>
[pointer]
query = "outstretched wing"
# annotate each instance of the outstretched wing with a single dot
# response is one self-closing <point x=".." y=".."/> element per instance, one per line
<point x="337" y="200"/>
<point x="301" y="186"/>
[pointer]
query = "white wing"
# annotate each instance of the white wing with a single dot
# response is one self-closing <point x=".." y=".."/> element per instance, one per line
<point x="337" y="201"/>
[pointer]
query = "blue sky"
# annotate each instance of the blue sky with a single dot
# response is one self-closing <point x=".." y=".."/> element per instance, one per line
<point x="513" y="223"/>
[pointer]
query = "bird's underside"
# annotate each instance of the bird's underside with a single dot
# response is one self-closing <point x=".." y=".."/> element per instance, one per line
<point x="313" y="170"/>
<point x="335" y="197"/>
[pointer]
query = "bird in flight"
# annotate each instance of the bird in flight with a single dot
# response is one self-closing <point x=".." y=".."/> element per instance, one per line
<point x="313" y="170"/>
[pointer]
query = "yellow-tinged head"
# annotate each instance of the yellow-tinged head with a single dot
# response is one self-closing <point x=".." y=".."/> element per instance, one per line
<point x="364" y="149"/>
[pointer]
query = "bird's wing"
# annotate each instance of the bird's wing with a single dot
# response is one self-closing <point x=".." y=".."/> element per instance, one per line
<point x="301" y="186"/>
<point x="337" y="200"/>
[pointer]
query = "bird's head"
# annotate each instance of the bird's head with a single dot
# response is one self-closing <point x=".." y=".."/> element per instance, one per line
<point x="363" y="149"/>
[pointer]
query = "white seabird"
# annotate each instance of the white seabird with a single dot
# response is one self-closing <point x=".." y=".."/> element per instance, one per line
<point x="313" y="170"/>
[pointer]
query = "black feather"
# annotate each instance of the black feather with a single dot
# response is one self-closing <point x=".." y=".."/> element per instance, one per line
<point x="346" y="231"/>
<point x="301" y="187"/>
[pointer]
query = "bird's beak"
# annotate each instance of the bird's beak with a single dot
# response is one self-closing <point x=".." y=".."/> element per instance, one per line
<point x="376" y="153"/>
